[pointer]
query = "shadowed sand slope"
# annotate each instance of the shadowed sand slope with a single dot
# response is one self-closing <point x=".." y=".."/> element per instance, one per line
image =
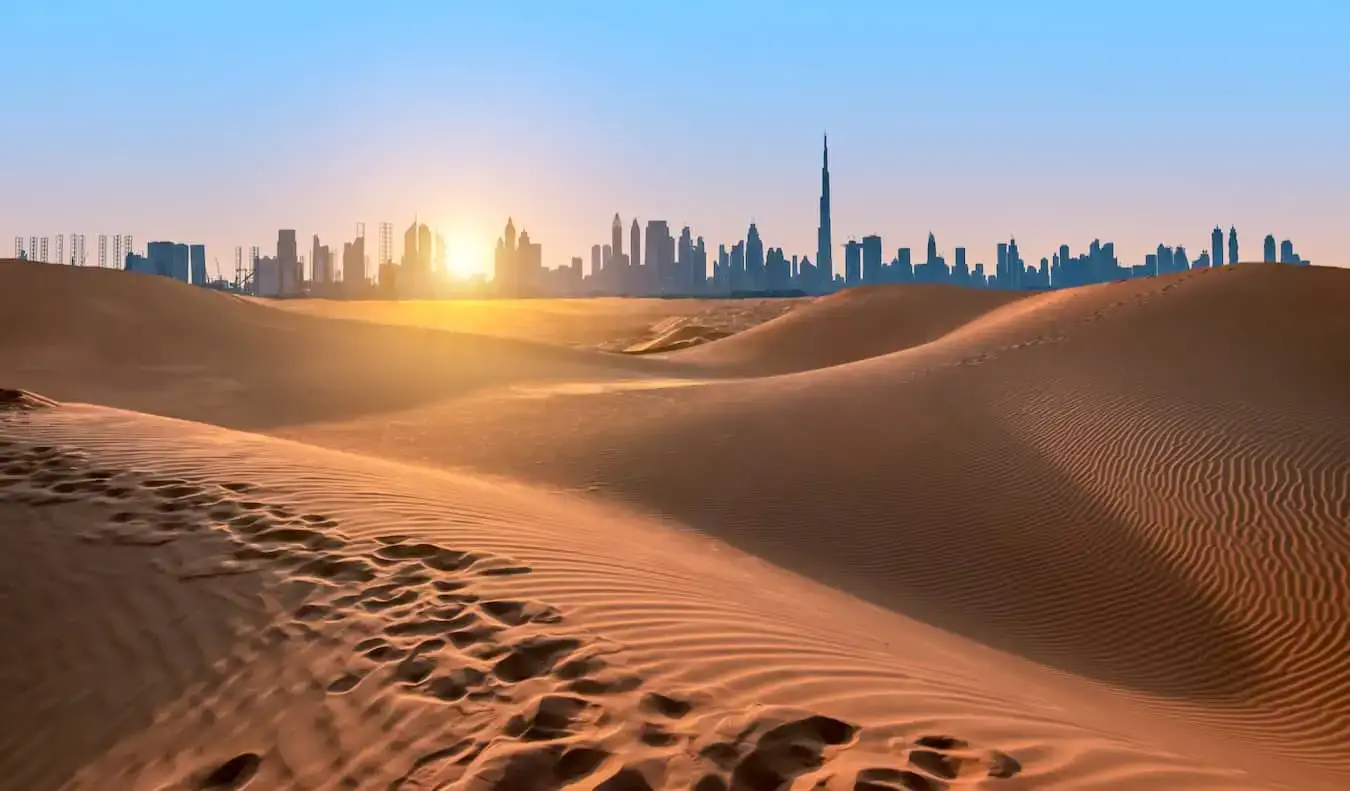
<point x="848" y="326"/>
<point x="160" y="346"/>
<point x="238" y="611"/>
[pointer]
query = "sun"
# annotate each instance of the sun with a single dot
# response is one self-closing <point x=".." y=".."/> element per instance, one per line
<point x="465" y="257"/>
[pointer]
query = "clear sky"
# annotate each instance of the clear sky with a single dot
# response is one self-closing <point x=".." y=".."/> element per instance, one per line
<point x="1138" y="121"/>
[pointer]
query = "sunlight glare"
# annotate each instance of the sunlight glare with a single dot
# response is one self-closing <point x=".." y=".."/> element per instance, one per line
<point x="466" y="258"/>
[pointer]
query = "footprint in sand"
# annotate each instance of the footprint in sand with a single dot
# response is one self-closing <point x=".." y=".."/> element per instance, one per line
<point x="231" y="775"/>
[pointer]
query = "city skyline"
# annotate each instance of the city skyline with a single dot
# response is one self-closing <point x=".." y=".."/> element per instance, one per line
<point x="655" y="264"/>
<point x="1040" y="122"/>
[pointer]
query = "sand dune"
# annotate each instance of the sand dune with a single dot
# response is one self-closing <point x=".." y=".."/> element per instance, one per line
<point x="682" y="337"/>
<point x="851" y="325"/>
<point x="147" y="343"/>
<point x="610" y="323"/>
<point x="297" y="618"/>
<point x="1088" y="539"/>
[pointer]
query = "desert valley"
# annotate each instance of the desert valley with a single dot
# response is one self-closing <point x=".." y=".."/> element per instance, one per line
<point x="898" y="537"/>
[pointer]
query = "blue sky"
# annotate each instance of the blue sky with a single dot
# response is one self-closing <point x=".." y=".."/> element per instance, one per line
<point x="1139" y="122"/>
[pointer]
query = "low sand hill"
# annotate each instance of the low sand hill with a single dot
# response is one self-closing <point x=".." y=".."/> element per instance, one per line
<point x="682" y="337"/>
<point x="608" y="322"/>
<point x="1097" y="532"/>
<point x="851" y="325"/>
<point x="152" y="344"/>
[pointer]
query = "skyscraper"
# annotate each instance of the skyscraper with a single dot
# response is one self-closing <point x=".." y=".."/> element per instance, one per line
<point x="288" y="262"/>
<point x="871" y="259"/>
<point x="754" y="259"/>
<point x="852" y="263"/>
<point x="616" y="240"/>
<point x="660" y="257"/>
<point x="505" y="272"/>
<point x="1216" y="246"/>
<point x="315" y="261"/>
<point x="824" y="256"/>
<point x="684" y="261"/>
<point x="1269" y="251"/>
<point x="1232" y="245"/>
<point x="635" y="244"/>
<point x="197" y="261"/>
<point x="354" y="260"/>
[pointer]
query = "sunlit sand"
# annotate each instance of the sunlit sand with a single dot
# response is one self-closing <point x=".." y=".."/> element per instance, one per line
<point x="896" y="538"/>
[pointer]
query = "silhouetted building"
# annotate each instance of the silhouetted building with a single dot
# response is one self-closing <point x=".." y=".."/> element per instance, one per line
<point x="197" y="263"/>
<point x="168" y="259"/>
<point x="354" y="262"/>
<point x="1232" y="246"/>
<point x="1287" y="254"/>
<point x="634" y="282"/>
<point x="321" y="265"/>
<point x="1269" y="249"/>
<point x="660" y="255"/>
<point x="824" y="247"/>
<point x="267" y="277"/>
<point x="754" y="260"/>
<point x="852" y="263"/>
<point x="871" y="259"/>
<point x="960" y="271"/>
<point x="1216" y="246"/>
<point x="289" y="275"/>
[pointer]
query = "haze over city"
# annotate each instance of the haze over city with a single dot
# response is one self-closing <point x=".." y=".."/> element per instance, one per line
<point x="1051" y="122"/>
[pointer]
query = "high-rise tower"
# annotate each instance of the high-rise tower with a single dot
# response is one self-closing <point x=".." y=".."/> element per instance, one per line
<point x="1216" y="246"/>
<point x="824" y="258"/>
<point x="635" y="245"/>
<point x="1232" y="245"/>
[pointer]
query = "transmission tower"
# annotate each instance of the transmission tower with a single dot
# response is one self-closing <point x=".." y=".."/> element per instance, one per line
<point x="79" y="252"/>
<point x="119" y="260"/>
<point x="103" y="251"/>
<point x="42" y="250"/>
<point x="61" y="248"/>
<point x="18" y="247"/>
<point x="252" y="276"/>
<point x="32" y="248"/>
<point x="238" y="267"/>
<point x="127" y="243"/>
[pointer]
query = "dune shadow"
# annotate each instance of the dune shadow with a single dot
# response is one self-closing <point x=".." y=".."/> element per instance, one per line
<point x="268" y="368"/>
<point x="100" y="634"/>
<point x="994" y="543"/>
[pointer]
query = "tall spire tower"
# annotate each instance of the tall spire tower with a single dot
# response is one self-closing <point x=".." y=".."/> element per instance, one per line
<point x="824" y="246"/>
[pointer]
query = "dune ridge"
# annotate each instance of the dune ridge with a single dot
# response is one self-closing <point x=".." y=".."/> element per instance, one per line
<point x="1099" y="532"/>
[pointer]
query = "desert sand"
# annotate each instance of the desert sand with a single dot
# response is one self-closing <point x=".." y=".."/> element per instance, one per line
<point x="894" y="538"/>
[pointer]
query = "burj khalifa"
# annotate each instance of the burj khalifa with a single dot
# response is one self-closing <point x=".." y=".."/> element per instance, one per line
<point x="824" y="257"/>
